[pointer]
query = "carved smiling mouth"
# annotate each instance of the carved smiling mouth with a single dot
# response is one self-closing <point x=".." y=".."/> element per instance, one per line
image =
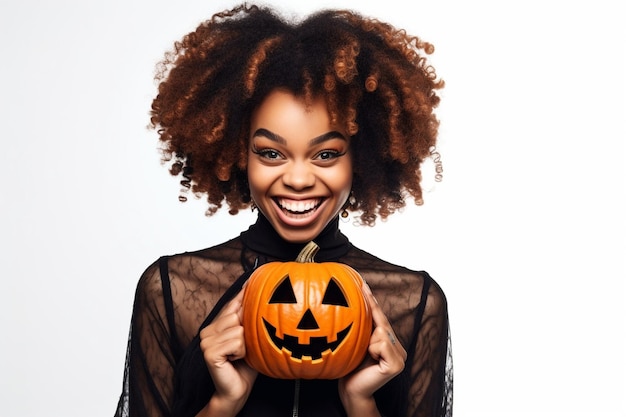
<point x="315" y="348"/>
<point x="298" y="207"/>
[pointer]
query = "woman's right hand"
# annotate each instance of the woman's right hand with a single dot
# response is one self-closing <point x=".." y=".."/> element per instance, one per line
<point x="223" y="348"/>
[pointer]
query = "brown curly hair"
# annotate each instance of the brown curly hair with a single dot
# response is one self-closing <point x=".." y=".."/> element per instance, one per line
<point x="374" y="77"/>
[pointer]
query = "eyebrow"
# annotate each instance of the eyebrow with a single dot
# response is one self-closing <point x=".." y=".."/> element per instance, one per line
<point x="316" y="140"/>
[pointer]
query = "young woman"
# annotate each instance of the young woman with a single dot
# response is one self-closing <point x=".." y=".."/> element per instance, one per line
<point x="304" y="121"/>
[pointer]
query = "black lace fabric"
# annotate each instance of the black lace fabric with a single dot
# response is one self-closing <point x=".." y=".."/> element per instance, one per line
<point x="165" y="374"/>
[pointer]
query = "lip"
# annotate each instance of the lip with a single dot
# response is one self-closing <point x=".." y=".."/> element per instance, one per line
<point x="298" y="212"/>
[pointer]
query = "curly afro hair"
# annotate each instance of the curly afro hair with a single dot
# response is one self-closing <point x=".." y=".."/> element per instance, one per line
<point x="375" y="79"/>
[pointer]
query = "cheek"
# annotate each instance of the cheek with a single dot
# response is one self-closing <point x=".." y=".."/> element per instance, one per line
<point x="257" y="180"/>
<point x="341" y="180"/>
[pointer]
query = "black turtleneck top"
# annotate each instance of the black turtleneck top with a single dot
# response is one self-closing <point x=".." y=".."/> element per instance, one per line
<point x="178" y="295"/>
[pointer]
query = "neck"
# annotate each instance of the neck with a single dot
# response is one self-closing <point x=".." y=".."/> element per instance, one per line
<point x="263" y="239"/>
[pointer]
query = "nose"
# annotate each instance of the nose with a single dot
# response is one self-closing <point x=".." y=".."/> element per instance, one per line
<point x="299" y="176"/>
<point x="308" y="322"/>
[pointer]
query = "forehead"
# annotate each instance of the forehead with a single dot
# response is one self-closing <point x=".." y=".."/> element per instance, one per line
<point x="282" y="111"/>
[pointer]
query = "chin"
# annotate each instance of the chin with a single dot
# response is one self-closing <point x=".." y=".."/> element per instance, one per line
<point x="298" y="236"/>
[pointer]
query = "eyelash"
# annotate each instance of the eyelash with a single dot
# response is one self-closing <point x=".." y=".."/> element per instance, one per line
<point x="265" y="153"/>
<point x="332" y="154"/>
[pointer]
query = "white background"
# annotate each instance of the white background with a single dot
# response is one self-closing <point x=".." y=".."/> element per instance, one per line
<point x="525" y="233"/>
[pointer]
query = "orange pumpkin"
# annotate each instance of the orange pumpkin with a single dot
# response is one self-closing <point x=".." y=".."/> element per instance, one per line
<point x="304" y="319"/>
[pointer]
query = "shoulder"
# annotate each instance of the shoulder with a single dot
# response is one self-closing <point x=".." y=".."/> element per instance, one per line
<point x="388" y="280"/>
<point x="190" y="269"/>
<point x="436" y="302"/>
<point x="149" y="287"/>
<point x="188" y="285"/>
<point x="201" y="264"/>
<point x="373" y="266"/>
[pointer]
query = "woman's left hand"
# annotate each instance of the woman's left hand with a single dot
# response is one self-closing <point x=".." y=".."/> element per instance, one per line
<point x="386" y="359"/>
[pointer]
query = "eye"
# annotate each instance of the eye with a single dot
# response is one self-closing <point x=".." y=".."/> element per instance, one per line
<point x="268" y="153"/>
<point x="328" y="154"/>
<point x="334" y="295"/>
<point x="283" y="294"/>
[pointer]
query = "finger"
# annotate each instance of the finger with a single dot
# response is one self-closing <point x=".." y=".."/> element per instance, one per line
<point x="233" y="305"/>
<point x="220" y="325"/>
<point x="390" y="357"/>
<point x="226" y="346"/>
<point x="377" y="312"/>
<point x="227" y="317"/>
<point x="385" y="338"/>
<point x="383" y="331"/>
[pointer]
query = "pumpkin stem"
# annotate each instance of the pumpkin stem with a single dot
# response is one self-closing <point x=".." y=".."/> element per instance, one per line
<point x="308" y="252"/>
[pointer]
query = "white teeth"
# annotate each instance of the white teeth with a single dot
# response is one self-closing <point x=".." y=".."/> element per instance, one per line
<point x="298" y="206"/>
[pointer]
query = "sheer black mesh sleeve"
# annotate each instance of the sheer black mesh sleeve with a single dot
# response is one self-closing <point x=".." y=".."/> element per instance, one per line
<point x="173" y="297"/>
<point x="150" y="358"/>
<point x="430" y="393"/>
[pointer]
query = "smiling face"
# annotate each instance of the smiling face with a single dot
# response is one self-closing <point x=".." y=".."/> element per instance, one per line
<point x="299" y="165"/>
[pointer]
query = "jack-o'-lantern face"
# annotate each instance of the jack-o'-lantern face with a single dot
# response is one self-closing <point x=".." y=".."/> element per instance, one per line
<point x="308" y="338"/>
<point x="305" y="320"/>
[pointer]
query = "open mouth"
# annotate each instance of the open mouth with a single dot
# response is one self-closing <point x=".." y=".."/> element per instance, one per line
<point x="298" y="207"/>
<point x="315" y="347"/>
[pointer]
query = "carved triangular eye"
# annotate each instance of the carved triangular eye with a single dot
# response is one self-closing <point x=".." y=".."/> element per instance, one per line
<point x="334" y="295"/>
<point x="283" y="294"/>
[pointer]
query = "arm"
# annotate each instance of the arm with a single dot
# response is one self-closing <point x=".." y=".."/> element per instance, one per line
<point x="430" y="390"/>
<point x="149" y="373"/>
